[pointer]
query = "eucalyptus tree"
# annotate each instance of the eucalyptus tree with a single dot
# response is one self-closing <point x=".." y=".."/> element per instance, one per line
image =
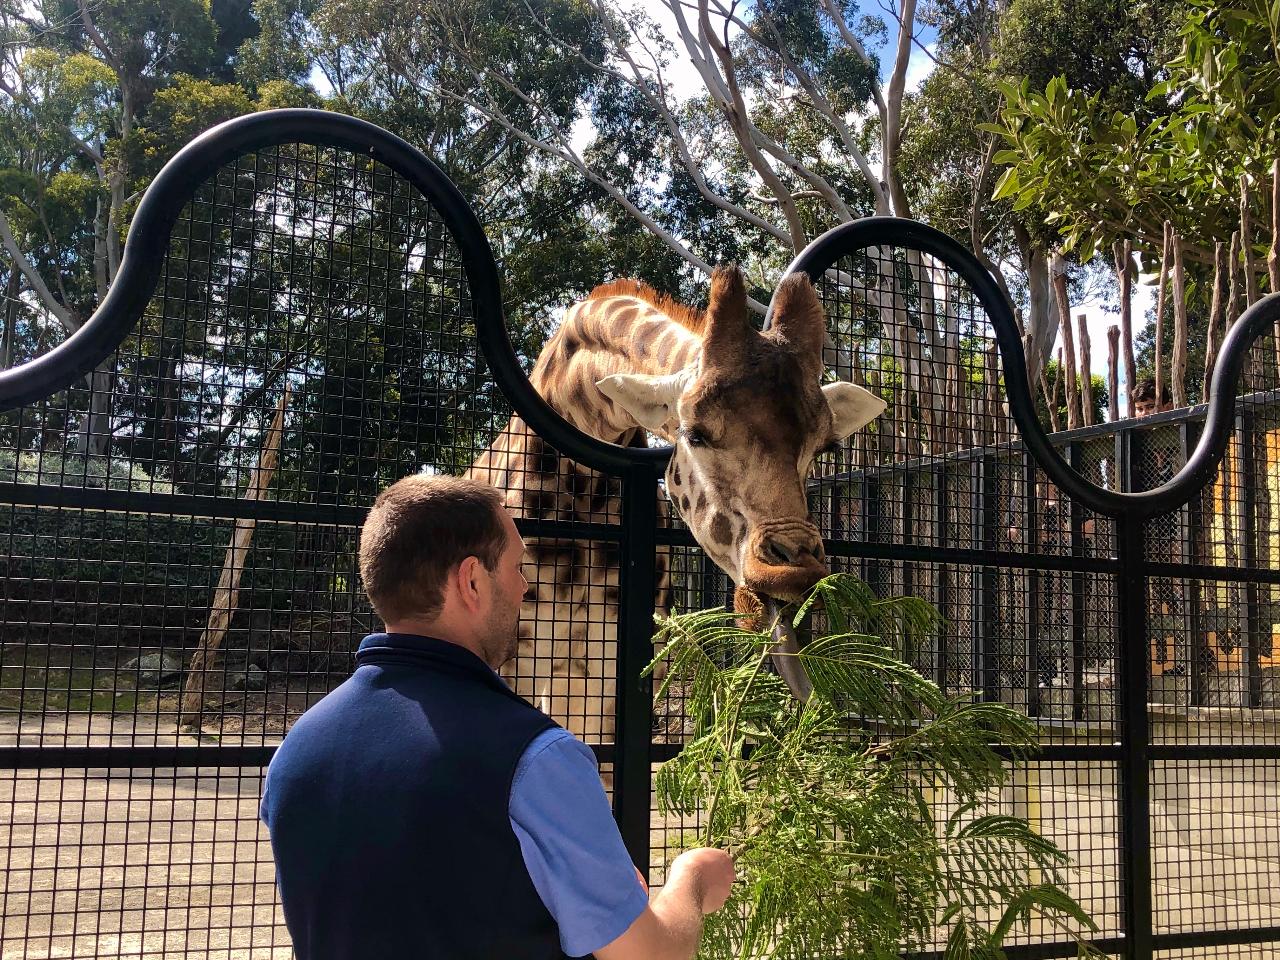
<point x="77" y="80"/>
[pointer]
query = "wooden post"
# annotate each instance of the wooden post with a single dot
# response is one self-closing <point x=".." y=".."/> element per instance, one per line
<point x="1123" y="253"/>
<point x="1212" y="340"/>
<point x="1179" y="372"/>
<point x="1113" y="376"/>
<point x="1050" y="400"/>
<point x="1273" y="257"/>
<point x="227" y="594"/>
<point x="1086" y="374"/>
<point x="1253" y="292"/>
<point x="1164" y="283"/>
<point x="1057" y="380"/>
<point x="1059" y="271"/>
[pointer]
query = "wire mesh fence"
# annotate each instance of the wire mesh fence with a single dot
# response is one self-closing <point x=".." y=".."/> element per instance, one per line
<point x="178" y="533"/>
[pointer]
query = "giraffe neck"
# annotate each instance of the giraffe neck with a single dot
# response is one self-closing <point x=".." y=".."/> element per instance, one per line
<point x="600" y="337"/>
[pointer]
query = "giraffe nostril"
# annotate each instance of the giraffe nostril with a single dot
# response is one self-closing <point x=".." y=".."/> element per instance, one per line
<point x="778" y="552"/>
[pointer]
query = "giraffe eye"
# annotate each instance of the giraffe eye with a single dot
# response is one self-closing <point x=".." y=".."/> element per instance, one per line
<point x="694" y="437"/>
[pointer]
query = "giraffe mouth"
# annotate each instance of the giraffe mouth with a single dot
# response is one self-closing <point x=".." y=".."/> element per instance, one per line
<point x="786" y="646"/>
<point x="759" y="610"/>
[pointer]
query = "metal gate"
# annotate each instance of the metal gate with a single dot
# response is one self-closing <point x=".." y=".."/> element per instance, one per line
<point x="308" y="310"/>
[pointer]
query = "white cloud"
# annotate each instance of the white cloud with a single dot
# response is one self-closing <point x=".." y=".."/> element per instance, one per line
<point x="920" y="67"/>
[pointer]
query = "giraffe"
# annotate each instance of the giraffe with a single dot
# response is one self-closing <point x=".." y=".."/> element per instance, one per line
<point x="746" y="415"/>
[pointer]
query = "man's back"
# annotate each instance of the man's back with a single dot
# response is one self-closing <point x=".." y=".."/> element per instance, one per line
<point x="388" y="810"/>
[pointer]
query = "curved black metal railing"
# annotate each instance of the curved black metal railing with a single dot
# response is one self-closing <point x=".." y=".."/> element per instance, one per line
<point x="639" y="535"/>
<point x="828" y="249"/>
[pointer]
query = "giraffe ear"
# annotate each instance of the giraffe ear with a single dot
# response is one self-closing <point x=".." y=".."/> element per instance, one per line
<point x="852" y="407"/>
<point x="651" y="400"/>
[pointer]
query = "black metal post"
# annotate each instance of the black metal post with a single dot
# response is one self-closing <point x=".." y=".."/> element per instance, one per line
<point x="944" y="580"/>
<point x="632" y="776"/>
<point x="1076" y="515"/>
<point x="1035" y="579"/>
<point x="1135" y="768"/>
<point x="1189" y="434"/>
<point x="990" y="617"/>
<point x="1253" y="623"/>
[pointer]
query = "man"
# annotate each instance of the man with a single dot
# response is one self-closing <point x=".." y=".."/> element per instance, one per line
<point x="423" y="810"/>
<point x="1145" y="402"/>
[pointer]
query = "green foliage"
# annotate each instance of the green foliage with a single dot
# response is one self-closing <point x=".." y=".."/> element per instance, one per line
<point x="855" y="818"/>
<point x="1099" y="173"/>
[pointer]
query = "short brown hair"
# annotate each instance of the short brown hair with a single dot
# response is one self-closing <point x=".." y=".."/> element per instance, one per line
<point x="417" y="531"/>
<point x="1145" y="392"/>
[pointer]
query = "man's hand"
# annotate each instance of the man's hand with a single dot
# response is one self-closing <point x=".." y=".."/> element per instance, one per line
<point x="711" y="874"/>
<point x="698" y="883"/>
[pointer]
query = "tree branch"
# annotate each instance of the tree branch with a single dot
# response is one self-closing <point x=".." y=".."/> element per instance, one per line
<point x="65" y="315"/>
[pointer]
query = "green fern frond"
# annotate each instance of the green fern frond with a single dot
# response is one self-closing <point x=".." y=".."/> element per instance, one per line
<point x="833" y="809"/>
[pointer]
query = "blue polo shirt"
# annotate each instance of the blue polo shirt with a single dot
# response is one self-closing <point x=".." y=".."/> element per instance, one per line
<point x="556" y="807"/>
<point x="571" y="845"/>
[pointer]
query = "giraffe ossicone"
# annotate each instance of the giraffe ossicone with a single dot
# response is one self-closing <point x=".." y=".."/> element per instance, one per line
<point x="746" y="414"/>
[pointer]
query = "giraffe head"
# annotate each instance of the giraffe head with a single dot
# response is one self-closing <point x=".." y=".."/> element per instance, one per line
<point x="746" y="422"/>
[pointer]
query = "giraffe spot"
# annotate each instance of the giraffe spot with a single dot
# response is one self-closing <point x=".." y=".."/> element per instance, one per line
<point x="739" y="534"/>
<point x="600" y="494"/>
<point x="702" y="503"/>
<point x="543" y="504"/>
<point x="579" y="482"/>
<point x="578" y="400"/>
<point x="675" y="473"/>
<point x="525" y="631"/>
<point x="664" y="350"/>
<point x="545" y="459"/>
<point x="721" y="530"/>
<point x="611" y="595"/>
<point x="612" y="553"/>
<point x="623" y="319"/>
<point x="684" y="505"/>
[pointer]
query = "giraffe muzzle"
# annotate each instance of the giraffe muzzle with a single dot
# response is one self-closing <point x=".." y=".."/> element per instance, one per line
<point x="784" y="558"/>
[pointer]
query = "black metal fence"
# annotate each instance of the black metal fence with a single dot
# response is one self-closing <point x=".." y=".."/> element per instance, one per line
<point x="308" y="311"/>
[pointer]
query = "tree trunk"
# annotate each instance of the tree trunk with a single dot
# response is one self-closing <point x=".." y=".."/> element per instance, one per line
<point x="9" y="333"/>
<point x="227" y="594"/>
<point x="1113" y="376"/>
<point x="1059" y="271"/>
<point x="94" y="436"/>
<point x="1042" y="315"/>
<point x="1179" y="372"/>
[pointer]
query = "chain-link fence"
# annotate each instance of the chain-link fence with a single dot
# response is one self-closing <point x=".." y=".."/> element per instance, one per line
<point x="178" y="526"/>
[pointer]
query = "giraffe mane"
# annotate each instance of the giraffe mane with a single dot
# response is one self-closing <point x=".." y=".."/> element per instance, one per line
<point x="688" y="317"/>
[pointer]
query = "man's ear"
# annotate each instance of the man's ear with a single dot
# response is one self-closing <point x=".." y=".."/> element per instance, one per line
<point x="651" y="400"/>
<point x="467" y="581"/>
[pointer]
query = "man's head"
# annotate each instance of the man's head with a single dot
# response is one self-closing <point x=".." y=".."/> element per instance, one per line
<point x="441" y="556"/>
<point x="1145" y="402"/>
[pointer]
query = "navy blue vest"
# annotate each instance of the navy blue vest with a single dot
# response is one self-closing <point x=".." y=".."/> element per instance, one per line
<point x="387" y="805"/>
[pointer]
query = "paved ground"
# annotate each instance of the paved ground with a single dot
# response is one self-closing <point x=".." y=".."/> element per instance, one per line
<point x="172" y="863"/>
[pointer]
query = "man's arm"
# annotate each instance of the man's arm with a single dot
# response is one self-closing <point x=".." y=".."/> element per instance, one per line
<point x="698" y="883"/>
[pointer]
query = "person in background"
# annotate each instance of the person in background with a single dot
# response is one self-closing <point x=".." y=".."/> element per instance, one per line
<point x="424" y="810"/>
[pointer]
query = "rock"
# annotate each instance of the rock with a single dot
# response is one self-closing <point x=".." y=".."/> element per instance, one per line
<point x="155" y="669"/>
<point x="254" y="678"/>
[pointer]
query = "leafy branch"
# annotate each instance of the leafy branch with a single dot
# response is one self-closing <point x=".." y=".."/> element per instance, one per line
<point x="854" y="817"/>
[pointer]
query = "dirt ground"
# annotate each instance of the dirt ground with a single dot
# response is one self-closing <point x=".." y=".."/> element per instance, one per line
<point x="173" y="863"/>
